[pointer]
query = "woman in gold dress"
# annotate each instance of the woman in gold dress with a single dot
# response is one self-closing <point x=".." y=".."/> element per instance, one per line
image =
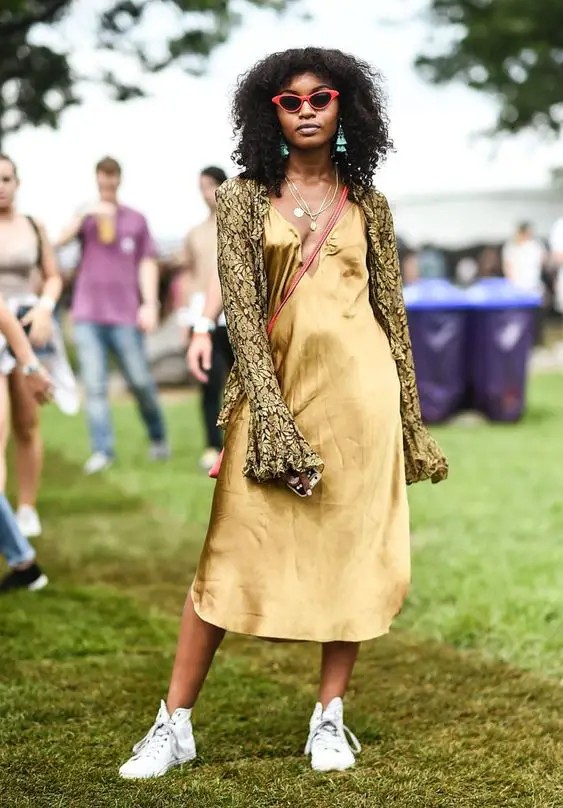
<point x="329" y="393"/>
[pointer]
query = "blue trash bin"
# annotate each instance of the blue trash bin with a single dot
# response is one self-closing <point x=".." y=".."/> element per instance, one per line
<point x="436" y="312"/>
<point x="501" y="327"/>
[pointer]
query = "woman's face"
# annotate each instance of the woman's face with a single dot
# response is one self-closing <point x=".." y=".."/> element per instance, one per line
<point x="308" y="128"/>
<point x="8" y="184"/>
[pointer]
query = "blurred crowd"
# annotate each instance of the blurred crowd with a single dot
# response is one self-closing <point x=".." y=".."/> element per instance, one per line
<point x="533" y="264"/>
<point x="114" y="292"/>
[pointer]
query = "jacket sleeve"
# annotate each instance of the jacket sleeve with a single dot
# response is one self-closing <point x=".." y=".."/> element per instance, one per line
<point x="423" y="457"/>
<point x="275" y="444"/>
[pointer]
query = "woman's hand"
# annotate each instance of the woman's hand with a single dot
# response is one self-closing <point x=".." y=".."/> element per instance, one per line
<point x="199" y="357"/>
<point x="294" y="478"/>
<point x="40" y="386"/>
<point x="40" y="321"/>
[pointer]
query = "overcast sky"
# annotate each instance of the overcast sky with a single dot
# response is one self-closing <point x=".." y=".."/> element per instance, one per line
<point x="163" y="140"/>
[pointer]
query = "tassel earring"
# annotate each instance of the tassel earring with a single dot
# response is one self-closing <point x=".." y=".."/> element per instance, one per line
<point x="341" y="142"/>
<point x="284" y="151"/>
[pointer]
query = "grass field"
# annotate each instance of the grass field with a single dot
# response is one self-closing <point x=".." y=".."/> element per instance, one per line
<point x="459" y="707"/>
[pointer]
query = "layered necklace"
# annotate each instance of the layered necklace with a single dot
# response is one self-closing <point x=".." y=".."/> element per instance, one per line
<point x="303" y="208"/>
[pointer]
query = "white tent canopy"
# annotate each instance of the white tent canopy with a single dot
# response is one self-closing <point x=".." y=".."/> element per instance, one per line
<point x="458" y="220"/>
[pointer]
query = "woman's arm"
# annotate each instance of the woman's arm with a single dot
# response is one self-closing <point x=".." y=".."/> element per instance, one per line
<point x="38" y="380"/>
<point x="275" y="444"/>
<point x="39" y="317"/>
<point x="53" y="282"/>
<point x="15" y="336"/>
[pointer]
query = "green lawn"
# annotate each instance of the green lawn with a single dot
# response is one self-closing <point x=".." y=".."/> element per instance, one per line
<point x="459" y="706"/>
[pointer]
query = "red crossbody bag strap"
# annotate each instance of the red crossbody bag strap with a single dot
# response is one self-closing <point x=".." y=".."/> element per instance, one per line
<point x="307" y="264"/>
<point x="214" y="472"/>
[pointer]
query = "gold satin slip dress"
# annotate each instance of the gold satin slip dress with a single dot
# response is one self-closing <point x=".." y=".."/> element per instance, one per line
<point x="336" y="565"/>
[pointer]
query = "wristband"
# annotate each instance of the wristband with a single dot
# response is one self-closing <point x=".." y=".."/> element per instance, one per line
<point x="203" y="325"/>
<point x="46" y="302"/>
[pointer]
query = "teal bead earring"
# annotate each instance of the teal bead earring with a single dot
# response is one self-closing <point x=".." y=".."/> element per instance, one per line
<point x="284" y="151"/>
<point x="341" y="142"/>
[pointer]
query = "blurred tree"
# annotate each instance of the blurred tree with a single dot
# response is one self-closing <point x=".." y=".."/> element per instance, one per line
<point x="37" y="81"/>
<point x="512" y="49"/>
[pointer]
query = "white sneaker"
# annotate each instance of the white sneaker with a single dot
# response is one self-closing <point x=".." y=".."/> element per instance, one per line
<point x="159" y="450"/>
<point x="28" y="521"/>
<point x="327" y="743"/>
<point x="97" y="462"/>
<point x="169" y="742"/>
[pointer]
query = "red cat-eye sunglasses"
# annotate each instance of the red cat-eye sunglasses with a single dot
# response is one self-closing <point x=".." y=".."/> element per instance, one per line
<point x="291" y="102"/>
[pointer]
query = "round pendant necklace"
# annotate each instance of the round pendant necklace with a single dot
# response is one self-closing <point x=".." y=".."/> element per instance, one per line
<point x="303" y="208"/>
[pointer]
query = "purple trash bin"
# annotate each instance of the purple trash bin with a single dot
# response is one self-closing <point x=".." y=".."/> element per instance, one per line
<point x="501" y="325"/>
<point x="436" y="312"/>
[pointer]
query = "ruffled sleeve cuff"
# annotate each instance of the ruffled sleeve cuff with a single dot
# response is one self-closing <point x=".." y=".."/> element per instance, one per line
<point x="423" y="457"/>
<point x="276" y="446"/>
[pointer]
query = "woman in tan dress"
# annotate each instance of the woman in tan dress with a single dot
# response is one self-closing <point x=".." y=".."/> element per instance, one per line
<point x="325" y="405"/>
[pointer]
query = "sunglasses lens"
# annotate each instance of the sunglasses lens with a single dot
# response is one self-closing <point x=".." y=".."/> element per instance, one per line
<point x="320" y="100"/>
<point x="290" y="103"/>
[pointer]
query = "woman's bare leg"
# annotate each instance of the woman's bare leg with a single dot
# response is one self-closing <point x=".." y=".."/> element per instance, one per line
<point x="4" y="429"/>
<point x="27" y="439"/>
<point x="197" y="643"/>
<point x="338" y="660"/>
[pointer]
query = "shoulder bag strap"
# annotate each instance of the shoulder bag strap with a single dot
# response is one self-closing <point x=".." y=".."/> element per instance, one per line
<point x="37" y="232"/>
<point x="306" y="264"/>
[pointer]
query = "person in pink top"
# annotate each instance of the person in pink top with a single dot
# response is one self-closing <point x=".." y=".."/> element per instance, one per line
<point x="115" y="302"/>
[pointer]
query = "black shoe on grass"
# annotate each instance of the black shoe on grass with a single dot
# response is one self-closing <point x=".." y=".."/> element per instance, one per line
<point x="32" y="578"/>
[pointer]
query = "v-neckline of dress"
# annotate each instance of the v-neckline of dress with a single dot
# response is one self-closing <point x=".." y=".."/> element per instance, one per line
<point x="296" y="231"/>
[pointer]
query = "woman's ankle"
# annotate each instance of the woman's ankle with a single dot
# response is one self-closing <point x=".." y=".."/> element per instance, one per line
<point x="174" y="703"/>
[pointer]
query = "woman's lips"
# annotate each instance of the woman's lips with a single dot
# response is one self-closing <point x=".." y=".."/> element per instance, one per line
<point x="308" y="128"/>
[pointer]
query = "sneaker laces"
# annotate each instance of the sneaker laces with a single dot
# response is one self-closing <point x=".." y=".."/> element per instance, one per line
<point x="326" y="731"/>
<point x="157" y="736"/>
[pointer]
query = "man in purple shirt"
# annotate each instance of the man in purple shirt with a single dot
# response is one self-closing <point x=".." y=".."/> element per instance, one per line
<point x="115" y="300"/>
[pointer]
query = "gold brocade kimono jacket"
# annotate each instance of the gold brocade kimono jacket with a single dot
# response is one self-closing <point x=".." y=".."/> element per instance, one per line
<point x="275" y="443"/>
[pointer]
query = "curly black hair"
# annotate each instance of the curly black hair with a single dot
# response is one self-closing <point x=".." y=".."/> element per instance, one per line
<point x="362" y="110"/>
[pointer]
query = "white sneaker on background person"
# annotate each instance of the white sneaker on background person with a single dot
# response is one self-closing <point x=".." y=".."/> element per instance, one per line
<point x="159" y="450"/>
<point x="28" y="521"/>
<point x="330" y="743"/>
<point x="169" y="742"/>
<point x="97" y="462"/>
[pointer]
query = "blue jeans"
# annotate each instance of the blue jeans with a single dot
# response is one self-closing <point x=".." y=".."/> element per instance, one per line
<point x="13" y="545"/>
<point x="94" y="342"/>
